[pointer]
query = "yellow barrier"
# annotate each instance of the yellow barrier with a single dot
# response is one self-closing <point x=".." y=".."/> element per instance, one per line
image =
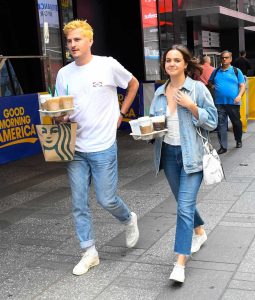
<point x="251" y="98"/>
<point x="247" y="109"/>
<point x="243" y="112"/>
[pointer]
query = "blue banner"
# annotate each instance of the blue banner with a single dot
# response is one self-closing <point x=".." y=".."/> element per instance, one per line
<point x="136" y="110"/>
<point x="18" y="117"/>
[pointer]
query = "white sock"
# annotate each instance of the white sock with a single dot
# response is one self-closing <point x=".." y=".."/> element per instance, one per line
<point x="179" y="266"/>
<point x="92" y="251"/>
<point x="131" y="221"/>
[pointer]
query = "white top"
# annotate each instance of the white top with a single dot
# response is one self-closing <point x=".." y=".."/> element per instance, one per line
<point x="94" y="87"/>
<point x="172" y="136"/>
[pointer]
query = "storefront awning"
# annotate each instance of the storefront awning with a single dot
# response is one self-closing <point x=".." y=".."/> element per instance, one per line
<point x="221" y="17"/>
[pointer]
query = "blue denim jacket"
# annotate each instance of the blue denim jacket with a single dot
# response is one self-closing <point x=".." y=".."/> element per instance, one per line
<point x="191" y="144"/>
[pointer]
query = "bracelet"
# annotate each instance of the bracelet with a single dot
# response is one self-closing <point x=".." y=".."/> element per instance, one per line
<point x="123" y="115"/>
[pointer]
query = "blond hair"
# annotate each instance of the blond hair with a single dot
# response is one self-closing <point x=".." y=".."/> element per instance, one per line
<point x="87" y="30"/>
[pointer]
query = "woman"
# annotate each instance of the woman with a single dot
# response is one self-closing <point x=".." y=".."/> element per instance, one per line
<point x="187" y="104"/>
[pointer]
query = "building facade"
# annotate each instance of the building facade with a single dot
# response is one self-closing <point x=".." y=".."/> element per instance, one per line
<point x="135" y="32"/>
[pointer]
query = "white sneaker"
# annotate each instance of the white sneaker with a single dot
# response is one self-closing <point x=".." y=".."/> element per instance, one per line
<point x="132" y="231"/>
<point x="85" y="264"/>
<point x="178" y="273"/>
<point x="197" y="242"/>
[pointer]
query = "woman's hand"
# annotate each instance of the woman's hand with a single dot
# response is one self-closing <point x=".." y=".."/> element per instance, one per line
<point x="183" y="99"/>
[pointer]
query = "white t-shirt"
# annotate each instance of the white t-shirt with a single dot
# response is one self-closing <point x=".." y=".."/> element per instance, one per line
<point x="94" y="87"/>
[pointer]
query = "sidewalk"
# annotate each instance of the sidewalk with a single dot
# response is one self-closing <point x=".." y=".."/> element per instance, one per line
<point x="38" y="247"/>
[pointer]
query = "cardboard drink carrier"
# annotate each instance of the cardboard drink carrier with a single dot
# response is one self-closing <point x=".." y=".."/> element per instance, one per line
<point x="57" y="140"/>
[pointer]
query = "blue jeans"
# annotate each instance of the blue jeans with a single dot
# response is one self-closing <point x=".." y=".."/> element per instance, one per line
<point x="185" y="188"/>
<point x="102" y="168"/>
<point x="233" y="112"/>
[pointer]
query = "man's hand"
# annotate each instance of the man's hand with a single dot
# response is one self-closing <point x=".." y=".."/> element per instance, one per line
<point x="241" y="92"/>
<point x="237" y="99"/>
<point x="119" y="121"/>
<point x="61" y="119"/>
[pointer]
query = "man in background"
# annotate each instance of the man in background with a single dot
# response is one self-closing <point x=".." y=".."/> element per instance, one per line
<point x="229" y="86"/>
<point x="207" y="69"/>
<point x="242" y="63"/>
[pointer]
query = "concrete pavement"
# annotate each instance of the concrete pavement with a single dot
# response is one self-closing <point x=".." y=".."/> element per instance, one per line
<point x="38" y="248"/>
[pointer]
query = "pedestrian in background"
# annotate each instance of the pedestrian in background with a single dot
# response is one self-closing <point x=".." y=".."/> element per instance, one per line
<point x="243" y="63"/>
<point x="229" y="86"/>
<point x="207" y="69"/>
<point x="187" y="104"/>
<point x="197" y="73"/>
<point x="93" y="81"/>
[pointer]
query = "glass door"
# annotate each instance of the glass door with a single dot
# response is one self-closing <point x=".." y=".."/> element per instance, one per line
<point x="51" y="40"/>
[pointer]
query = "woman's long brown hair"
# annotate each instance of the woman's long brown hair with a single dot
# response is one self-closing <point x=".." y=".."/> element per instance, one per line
<point x="193" y="67"/>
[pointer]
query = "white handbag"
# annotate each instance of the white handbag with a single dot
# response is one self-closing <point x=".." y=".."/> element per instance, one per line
<point x="212" y="167"/>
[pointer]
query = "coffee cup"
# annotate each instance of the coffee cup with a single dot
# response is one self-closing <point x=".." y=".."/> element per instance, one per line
<point x="158" y="122"/>
<point x="66" y="102"/>
<point x="135" y="127"/>
<point x="43" y="98"/>
<point x="53" y="104"/>
<point x="145" y="125"/>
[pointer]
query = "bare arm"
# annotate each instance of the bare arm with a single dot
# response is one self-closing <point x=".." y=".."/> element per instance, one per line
<point x="129" y="98"/>
<point x="241" y="91"/>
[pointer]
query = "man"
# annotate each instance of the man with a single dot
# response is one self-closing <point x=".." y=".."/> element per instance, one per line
<point x="93" y="80"/>
<point x="207" y="69"/>
<point x="229" y="86"/>
<point x="242" y="63"/>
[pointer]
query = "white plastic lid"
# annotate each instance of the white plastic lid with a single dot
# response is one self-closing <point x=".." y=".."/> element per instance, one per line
<point x="44" y="97"/>
<point x="146" y="118"/>
<point x="134" y="121"/>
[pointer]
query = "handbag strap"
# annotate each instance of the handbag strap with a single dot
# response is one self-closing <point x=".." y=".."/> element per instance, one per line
<point x="198" y="129"/>
<point x="205" y="140"/>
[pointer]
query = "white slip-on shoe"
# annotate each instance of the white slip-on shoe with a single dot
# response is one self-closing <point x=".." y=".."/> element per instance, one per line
<point x="132" y="231"/>
<point x="178" y="273"/>
<point x="85" y="264"/>
<point x="197" y="242"/>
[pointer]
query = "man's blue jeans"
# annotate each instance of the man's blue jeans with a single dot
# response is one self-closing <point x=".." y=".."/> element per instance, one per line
<point x="233" y="112"/>
<point x="185" y="188"/>
<point x="102" y="168"/>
